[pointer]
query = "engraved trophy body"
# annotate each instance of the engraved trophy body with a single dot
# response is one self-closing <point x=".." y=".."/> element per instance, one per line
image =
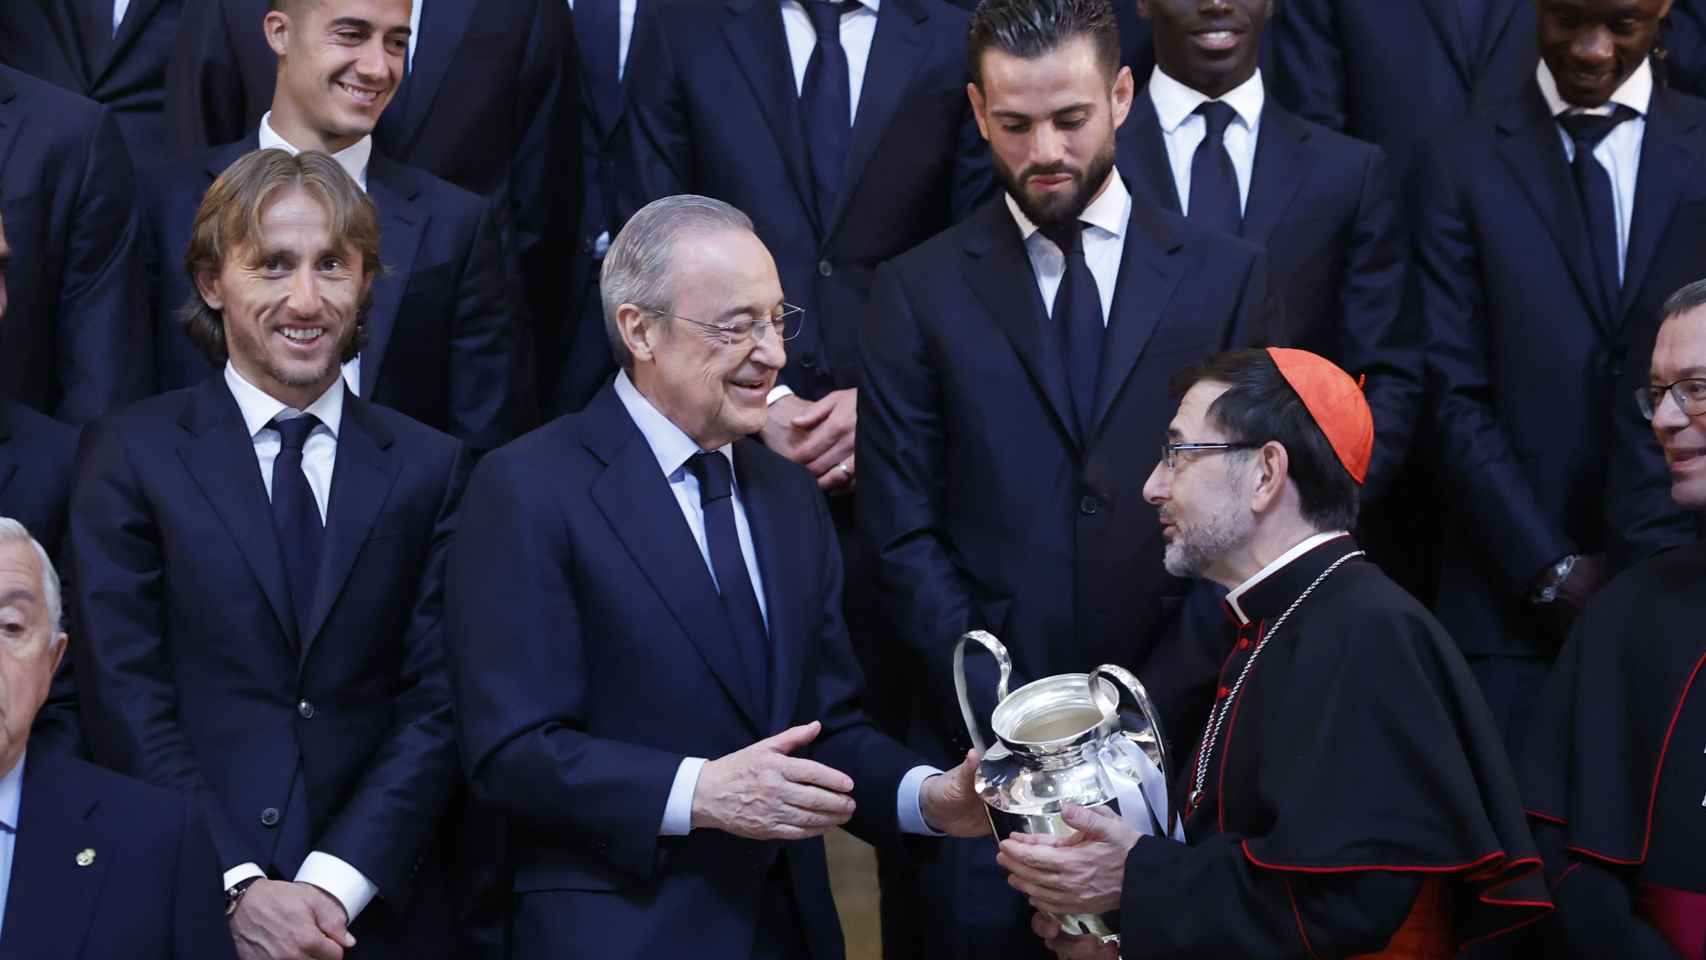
<point x="1061" y="740"/>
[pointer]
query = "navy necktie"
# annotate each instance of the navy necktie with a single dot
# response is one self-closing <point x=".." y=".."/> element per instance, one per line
<point x="1214" y="183"/>
<point x="1078" y="319"/>
<point x="826" y="101"/>
<point x="1599" y="205"/>
<point x="296" y="516"/>
<point x="740" y="602"/>
<point x="598" y="33"/>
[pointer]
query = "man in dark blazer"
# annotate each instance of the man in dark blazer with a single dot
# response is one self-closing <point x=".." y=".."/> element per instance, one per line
<point x="257" y="572"/>
<point x="112" y="51"/>
<point x="92" y="864"/>
<point x="490" y="104"/>
<point x="441" y="343"/>
<point x="1004" y="456"/>
<point x="1542" y="277"/>
<point x="76" y="347"/>
<point x="640" y="587"/>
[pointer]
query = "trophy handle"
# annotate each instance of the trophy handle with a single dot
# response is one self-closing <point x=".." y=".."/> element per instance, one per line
<point x="1002" y="660"/>
<point x="1125" y="682"/>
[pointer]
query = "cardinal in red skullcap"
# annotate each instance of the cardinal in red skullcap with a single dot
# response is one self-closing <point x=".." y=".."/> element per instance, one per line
<point x="1350" y="796"/>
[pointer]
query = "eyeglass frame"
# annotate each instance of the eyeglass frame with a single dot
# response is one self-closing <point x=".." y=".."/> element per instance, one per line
<point x="724" y="331"/>
<point x="1649" y="408"/>
<point x="1169" y="449"/>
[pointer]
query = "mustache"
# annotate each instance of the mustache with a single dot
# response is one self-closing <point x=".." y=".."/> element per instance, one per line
<point x="1051" y="170"/>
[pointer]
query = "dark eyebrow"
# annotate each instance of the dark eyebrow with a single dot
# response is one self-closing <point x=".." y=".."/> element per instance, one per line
<point x="355" y="22"/>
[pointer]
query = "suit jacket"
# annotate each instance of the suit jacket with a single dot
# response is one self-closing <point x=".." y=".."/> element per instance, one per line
<point x="441" y="332"/>
<point x="193" y="670"/>
<point x="986" y="506"/>
<point x="1326" y="209"/>
<point x="491" y="105"/>
<point x="713" y="109"/>
<point x="1524" y="363"/>
<point x="575" y="584"/>
<point x="127" y="74"/>
<point x="71" y="345"/>
<point x="149" y="889"/>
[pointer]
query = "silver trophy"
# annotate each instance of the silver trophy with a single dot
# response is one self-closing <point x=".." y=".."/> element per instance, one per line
<point x="1062" y="740"/>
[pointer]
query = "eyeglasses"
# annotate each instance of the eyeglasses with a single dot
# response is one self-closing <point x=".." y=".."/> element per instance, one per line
<point x="1689" y="394"/>
<point x="1169" y="451"/>
<point x="786" y="321"/>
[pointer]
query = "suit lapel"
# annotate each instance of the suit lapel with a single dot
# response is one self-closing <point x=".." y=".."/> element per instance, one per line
<point x="1503" y="14"/>
<point x="1281" y="164"/>
<point x="401" y="225"/>
<point x="777" y="544"/>
<point x="136" y="18"/>
<point x="1148" y="273"/>
<point x="442" y="23"/>
<point x="220" y="456"/>
<point x="634" y="495"/>
<point x="1144" y="152"/>
<point x="361" y="483"/>
<point x="52" y="895"/>
<point x="896" y="51"/>
<point x="10" y="122"/>
<point x="999" y="273"/>
<point x="1446" y="19"/>
<point x="1668" y="161"/>
<point x="754" y="33"/>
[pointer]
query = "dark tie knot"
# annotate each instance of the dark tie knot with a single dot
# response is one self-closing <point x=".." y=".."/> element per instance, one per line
<point x="294" y="432"/>
<point x="1218" y="115"/>
<point x="1069" y="237"/>
<point x="826" y="16"/>
<point x="1587" y="129"/>
<point x="716" y="478"/>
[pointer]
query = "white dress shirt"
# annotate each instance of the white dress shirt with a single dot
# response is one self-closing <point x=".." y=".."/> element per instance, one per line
<point x="353" y="159"/>
<point x="624" y="32"/>
<point x="1183" y="129"/>
<point x="345" y="883"/>
<point x="1620" y="152"/>
<point x="1104" y="244"/>
<point x="1278" y="564"/>
<point x="11" y="798"/>
<point x="414" y="36"/>
<point x="119" y="8"/>
<point x="673" y="448"/>
<point x="858" y="28"/>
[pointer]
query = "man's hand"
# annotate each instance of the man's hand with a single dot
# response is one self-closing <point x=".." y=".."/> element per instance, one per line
<point x="761" y="793"/>
<point x="1078" y="873"/>
<point x="951" y="804"/>
<point x="818" y="436"/>
<point x="1586" y="577"/>
<point x="1069" y="947"/>
<point x="290" y="921"/>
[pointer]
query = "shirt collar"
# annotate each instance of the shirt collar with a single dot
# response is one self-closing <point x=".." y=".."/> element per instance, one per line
<point x="352" y="158"/>
<point x="1636" y="93"/>
<point x="261" y="408"/>
<point x="670" y="444"/>
<point x="870" y="5"/>
<point x="1109" y="212"/>
<point x="12" y="795"/>
<point x="1234" y="599"/>
<point x="1175" y="102"/>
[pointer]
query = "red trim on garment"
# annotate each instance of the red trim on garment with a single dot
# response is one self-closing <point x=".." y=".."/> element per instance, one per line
<point x="1226" y="740"/>
<point x="1547" y="817"/>
<point x="1572" y="868"/>
<point x="1301" y="932"/>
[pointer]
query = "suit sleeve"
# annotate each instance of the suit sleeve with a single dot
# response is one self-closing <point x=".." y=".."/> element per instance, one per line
<point x="388" y="816"/>
<point x="130" y="706"/>
<point x="1309" y="65"/>
<point x="104" y="350"/>
<point x="659" y="144"/>
<point x="1479" y="464"/>
<point x="199" y="929"/>
<point x="486" y="389"/>
<point x="204" y="82"/>
<point x="520" y="676"/>
<point x="1256" y="912"/>
<point x="1594" y="915"/>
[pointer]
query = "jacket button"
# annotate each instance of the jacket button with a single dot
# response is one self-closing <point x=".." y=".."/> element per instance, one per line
<point x="269" y="817"/>
<point x="824" y="268"/>
<point x="1089" y="505"/>
<point x="305" y="709"/>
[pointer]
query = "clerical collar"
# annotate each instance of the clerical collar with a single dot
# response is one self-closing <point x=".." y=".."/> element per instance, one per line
<point x="353" y="158"/>
<point x="1636" y="93"/>
<point x="1276" y="585"/>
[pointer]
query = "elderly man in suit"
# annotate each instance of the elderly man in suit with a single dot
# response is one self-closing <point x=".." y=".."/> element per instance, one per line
<point x="258" y="563"/>
<point x="653" y="680"/>
<point x="92" y="865"/>
<point x="441" y="335"/>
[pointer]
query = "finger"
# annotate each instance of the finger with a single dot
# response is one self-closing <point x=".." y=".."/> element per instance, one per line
<point x="810" y="819"/>
<point x="801" y="770"/>
<point x="833" y="480"/>
<point x="1027" y="869"/>
<point x="817" y="800"/>
<point x="817" y="443"/>
<point x="813" y="414"/>
<point x="323" y="948"/>
<point x="1045" y="926"/>
<point x="1089" y="824"/>
<point x="836" y="456"/>
<point x="787" y="831"/>
<point x="329" y="916"/>
<point x="792" y="738"/>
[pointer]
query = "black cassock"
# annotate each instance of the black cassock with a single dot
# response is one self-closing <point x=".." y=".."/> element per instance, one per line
<point x="1614" y="769"/>
<point x="1358" y="786"/>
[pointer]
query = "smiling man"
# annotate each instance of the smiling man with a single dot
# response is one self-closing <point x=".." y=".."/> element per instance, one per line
<point x="258" y="565"/>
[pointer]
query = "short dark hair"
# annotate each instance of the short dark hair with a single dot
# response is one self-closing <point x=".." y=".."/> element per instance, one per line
<point x="1260" y="406"/>
<point x="1692" y="296"/>
<point x="1030" y="28"/>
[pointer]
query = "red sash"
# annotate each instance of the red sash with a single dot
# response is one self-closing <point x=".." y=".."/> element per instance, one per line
<point x="1678" y="915"/>
<point x="1426" y="933"/>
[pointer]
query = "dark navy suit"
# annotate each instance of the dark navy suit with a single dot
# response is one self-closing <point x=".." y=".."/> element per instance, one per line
<point x="108" y="867"/>
<point x="73" y="344"/>
<point x="1528" y="370"/>
<point x="195" y="674"/>
<point x="441" y="332"/>
<point x="590" y="654"/>
<point x="990" y="510"/>
<point x="126" y="73"/>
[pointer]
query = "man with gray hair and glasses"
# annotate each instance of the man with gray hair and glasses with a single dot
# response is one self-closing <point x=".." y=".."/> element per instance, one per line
<point x="92" y="864"/>
<point x="652" y="676"/>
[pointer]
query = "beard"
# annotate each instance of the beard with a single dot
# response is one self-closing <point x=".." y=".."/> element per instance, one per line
<point x="1064" y="209"/>
<point x="1197" y="547"/>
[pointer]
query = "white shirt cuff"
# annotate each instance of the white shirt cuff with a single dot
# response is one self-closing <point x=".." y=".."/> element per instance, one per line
<point x="344" y="882"/>
<point x="678" y="810"/>
<point x="241" y="872"/>
<point x="907" y="807"/>
<point x="778" y="392"/>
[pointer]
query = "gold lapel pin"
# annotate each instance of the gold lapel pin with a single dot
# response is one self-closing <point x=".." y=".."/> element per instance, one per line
<point x="86" y="856"/>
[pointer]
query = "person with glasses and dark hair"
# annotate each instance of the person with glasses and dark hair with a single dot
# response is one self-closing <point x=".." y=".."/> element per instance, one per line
<point x="1612" y="768"/>
<point x="1350" y="795"/>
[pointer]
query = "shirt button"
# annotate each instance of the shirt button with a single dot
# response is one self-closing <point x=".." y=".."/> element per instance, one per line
<point x="824" y="268"/>
<point x="305" y="709"/>
<point x="269" y="817"/>
<point x="1089" y="505"/>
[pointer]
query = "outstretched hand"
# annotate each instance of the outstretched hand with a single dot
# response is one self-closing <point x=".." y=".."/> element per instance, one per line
<point x="1082" y="872"/>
